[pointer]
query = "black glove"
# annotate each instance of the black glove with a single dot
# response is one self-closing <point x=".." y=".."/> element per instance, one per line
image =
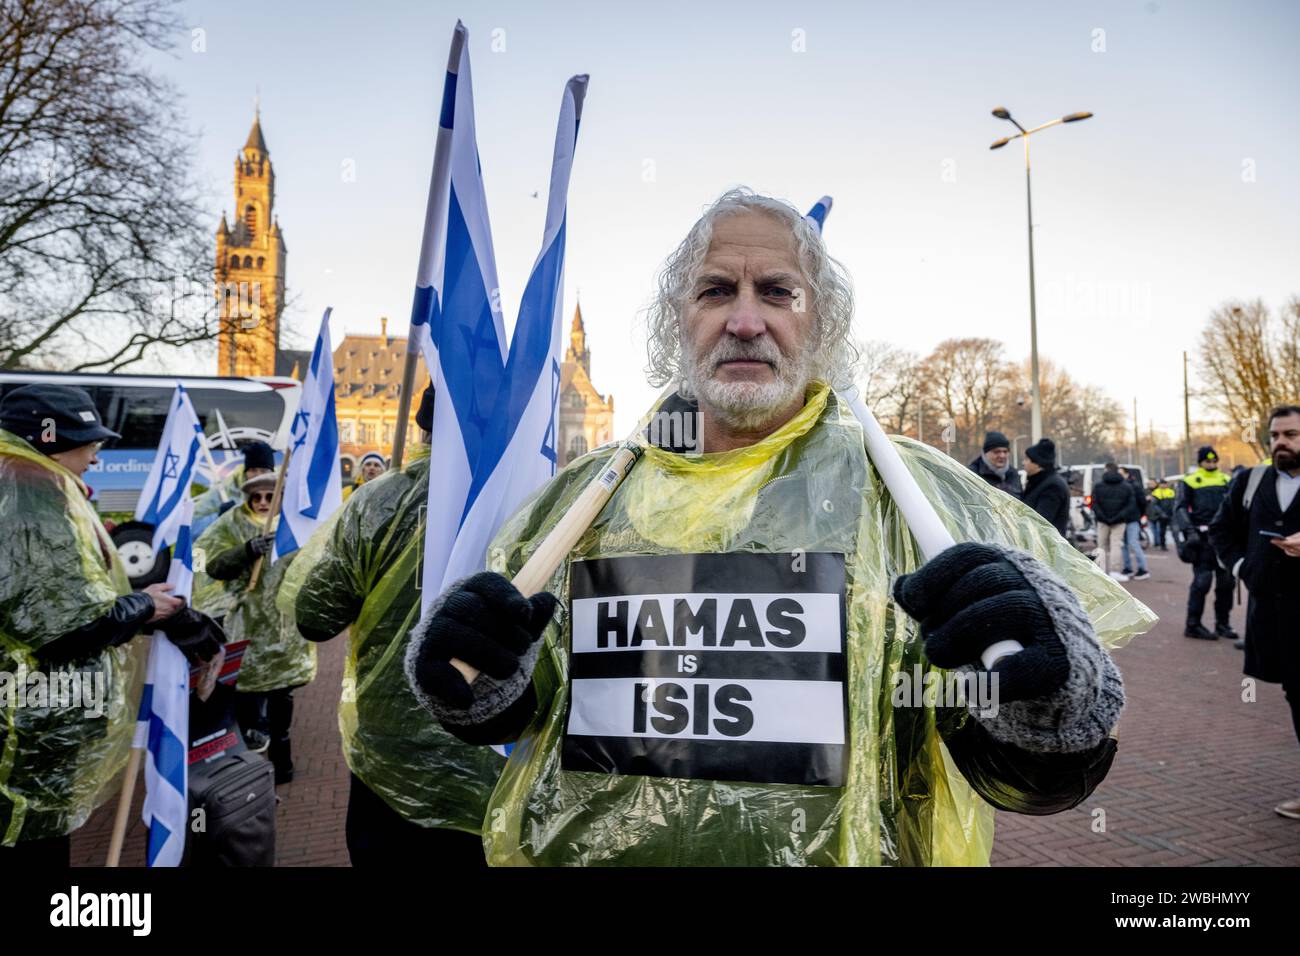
<point x="198" y="636"/>
<point x="485" y="623"/>
<point x="969" y="597"/>
<point x="259" y="546"/>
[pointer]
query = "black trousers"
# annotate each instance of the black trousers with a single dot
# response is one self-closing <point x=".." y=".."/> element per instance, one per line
<point x="271" y="712"/>
<point x="1292" y="692"/>
<point x="52" y="854"/>
<point x="1206" y="571"/>
<point x="379" y="836"/>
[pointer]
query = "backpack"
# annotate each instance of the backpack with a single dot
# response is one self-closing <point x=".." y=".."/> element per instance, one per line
<point x="1252" y="485"/>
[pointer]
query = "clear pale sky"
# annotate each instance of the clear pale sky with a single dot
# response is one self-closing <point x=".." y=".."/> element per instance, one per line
<point x="1183" y="191"/>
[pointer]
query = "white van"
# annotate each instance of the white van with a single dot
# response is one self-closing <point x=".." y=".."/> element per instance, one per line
<point x="1081" y="480"/>
<point x="233" y="411"/>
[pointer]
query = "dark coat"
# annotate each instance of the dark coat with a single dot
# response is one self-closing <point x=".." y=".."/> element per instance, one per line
<point x="1272" y="651"/>
<point x="1049" y="495"/>
<point x="1010" y="482"/>
<point x="1114" y="500"/>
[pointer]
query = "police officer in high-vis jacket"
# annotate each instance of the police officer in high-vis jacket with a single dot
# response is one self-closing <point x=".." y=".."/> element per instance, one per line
<point x="1195" y="505"/>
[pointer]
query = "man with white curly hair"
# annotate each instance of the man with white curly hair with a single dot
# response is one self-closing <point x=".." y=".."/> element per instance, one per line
<point x="725" y="670"/>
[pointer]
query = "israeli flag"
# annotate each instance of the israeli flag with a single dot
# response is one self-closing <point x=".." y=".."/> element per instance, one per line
<point x="818" y="213"/>
<point x="173" y="469"/>
<point x="520" y="451"/>
<point x="313" y="487"/>
<point x="162" y="727"/>
<point x="456" y="317"/>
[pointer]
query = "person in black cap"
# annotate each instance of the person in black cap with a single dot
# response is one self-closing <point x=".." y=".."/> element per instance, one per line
<point x="1045" y="490"/>
<point x="1197" y="501"/>
<point x="994" y="464"/>
<point x="66" y="610"/>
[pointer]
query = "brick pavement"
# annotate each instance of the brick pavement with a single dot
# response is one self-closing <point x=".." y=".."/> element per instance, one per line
<point x="1194" y="783"/>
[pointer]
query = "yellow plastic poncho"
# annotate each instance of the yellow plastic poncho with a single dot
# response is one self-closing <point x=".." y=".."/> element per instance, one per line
<point x="58" y="572"/>
<point x="806" y="488"/>
<point x="277" y="656"/>
<point x="209" y="595"/>
<point x="209" y="501"/>
<point x="363" y="573"/>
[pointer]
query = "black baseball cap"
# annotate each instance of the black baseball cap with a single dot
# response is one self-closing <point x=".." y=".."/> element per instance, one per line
<point x="53" y="418"/>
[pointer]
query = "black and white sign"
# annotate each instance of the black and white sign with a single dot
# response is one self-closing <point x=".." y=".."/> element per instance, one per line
<point x="709" y="666"/>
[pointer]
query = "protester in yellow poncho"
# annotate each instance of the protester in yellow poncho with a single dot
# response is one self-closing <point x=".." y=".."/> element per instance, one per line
<point x="277" y="660"/>
<point x="372" y="466"/>
<point x="67" y="672"/>
<point x="416" y="789"/>
<point x="729" y="672"/>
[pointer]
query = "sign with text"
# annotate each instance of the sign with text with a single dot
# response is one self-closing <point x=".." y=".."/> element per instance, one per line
<point x="709" y="666"/>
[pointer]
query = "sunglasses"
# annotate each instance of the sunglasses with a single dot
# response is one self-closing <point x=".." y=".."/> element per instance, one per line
<point x="259" y="496"/>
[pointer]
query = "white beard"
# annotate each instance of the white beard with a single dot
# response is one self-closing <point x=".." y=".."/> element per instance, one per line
<point x="747" y="406"/>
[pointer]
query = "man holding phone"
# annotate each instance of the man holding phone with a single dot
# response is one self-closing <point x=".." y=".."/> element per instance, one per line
<point x="1257" y="537"/>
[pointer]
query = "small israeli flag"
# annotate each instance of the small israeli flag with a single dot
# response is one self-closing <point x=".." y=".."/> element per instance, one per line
<point x="313" y="487"/>
<point x="162" y="728"/>
<point x="173" y="469"/>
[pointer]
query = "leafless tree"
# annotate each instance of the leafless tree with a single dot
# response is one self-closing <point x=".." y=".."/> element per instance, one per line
<point x="1250" y="362"/>
<point x="103" y="251"/>
<point x="893" y="385"/>
<point x="969" y="379"/>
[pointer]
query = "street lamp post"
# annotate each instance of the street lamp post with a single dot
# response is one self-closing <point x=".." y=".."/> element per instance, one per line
<point x="1001" y="112"/>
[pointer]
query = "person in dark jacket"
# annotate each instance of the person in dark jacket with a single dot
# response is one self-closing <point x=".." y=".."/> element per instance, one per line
<point x="1197" y="501"/>
<point x="1045" y="490"/>
<point x="1260" y="545"/>
<point x="66" y="610"/>
<point x="1114" y="505"/>
<point x="994" y="464"/>
<point x="1134" y="559"/>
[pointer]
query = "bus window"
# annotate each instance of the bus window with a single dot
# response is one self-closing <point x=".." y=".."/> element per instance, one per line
<point x="248" y="415"/>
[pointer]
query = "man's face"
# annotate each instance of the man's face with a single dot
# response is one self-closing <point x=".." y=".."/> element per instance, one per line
<point x="1210" y="464"/>
<point x="260" y="501"/>
<point x="998" y="457"/>
<point x="1031" y="467"/>
<point x="371" y="469"/>
<point x="746" y="346"/>
<point x="1284" y="441"/>
<point x="78" y="460"/>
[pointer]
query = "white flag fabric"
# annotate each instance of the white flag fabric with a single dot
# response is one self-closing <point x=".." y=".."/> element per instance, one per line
<point x="313" y="487"/>
<point x="173" y="469"/>
<point x="818" y="213"/>
<point x="162" y="728"/>
<point x="520" y="451"/>
<point x="456" y="316"/>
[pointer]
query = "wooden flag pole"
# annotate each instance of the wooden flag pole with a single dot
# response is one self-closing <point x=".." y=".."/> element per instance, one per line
<point x="550" y="554"/>
<point x="276" y="497"/>
<point x="124" y="807"/>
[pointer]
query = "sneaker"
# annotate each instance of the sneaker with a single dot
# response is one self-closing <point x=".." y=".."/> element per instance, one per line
<point x="257" y="741"/>
<point x="1226" y="632"/>
<point x="1119" y="576"/>
<point x="1290" y="809"/>
<point x="1141" y="575"/>
<point x="1240" y="645"/>
<point x="1128" y="571"/>
<point x="1197" y="630"/>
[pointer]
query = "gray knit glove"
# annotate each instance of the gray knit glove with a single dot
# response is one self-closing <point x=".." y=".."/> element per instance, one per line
<point x="1062" y="693"/>
<point x="486" y="623"/>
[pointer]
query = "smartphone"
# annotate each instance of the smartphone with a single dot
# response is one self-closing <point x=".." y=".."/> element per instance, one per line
<point x="1272" y="534"/>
